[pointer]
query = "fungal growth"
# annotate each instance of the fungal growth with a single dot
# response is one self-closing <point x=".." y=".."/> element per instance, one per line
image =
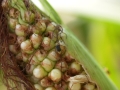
<point x="33" y="55"/>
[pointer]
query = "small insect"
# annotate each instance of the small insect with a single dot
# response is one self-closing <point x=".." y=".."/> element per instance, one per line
<point x="58" y="48"/>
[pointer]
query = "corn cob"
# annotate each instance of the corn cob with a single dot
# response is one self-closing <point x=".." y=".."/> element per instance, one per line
<point x="39" y="52"/>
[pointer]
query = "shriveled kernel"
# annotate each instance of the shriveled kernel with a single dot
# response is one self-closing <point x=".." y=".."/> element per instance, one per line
<point x="47" y="43"/>
<point x="47" y="64"/>
<point x="52" y="35"/>
<point x="51" y="27"/>
<point x="36" y="40"/>
<point x="53" y="55"/>
<point x="12" y="24"/>
<point x="68" y="58"/>
<point x="13" y="13"/>
<point x="38" y="16"/>
<point x="61" y="85"/>
<point x="46" y="82"/>
<point x="34" y="60"/>
<point x="62" y="65"/>
<point x="20" y="39"/>
<point x="26" y="46"/>
<point x="25" y="57"/>
<point x="39" y="27"/>
<point x="39" y="72"/>
<point x="21" y="30"/>
<point x="29" y="17"/>
<point x="12" y="38"/>
<point x="40" y="55"/>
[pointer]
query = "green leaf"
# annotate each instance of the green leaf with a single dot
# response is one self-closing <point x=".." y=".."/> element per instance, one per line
<point x="50" y="11"/>
<point x="75" y="47"/>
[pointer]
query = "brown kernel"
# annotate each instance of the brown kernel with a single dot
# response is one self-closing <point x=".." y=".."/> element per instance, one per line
<point x="12" y="38"/>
